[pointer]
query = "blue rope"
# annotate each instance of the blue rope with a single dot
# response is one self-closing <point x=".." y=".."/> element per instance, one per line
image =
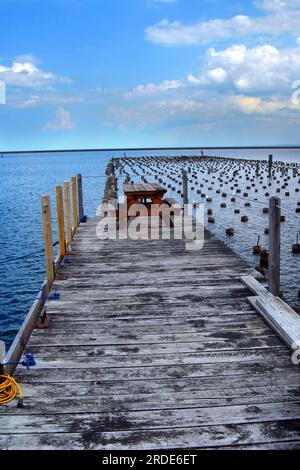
<point x="28" y="362"/>
<point x="54" y="296"/>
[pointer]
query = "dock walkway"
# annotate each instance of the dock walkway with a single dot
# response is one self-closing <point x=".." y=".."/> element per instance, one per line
<point x="151" y="346"/>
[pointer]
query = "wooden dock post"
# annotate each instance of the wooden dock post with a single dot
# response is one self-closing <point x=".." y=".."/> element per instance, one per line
<point x="48" y="241"/>
<point x="185" y="187"/>
<point x="68" y="212"/>
<point x="270" y="165"/>
<point x="80" y="197"/>
<point x="60" y="221"/>
<point x="274" y="247"/>
<point x="74" y="204"/>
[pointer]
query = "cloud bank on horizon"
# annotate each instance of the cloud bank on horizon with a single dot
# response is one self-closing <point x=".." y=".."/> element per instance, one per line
<point x="213" y="75"/>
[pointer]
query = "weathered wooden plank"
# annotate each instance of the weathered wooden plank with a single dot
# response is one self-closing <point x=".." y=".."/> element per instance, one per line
<point x="16" y="349"/>
<point x="282" y="319"/>
<point x="93" y="338"/>
<point x="210" y="386"/>
<point x="52" y="375"/>
<point x="254" y="286"/>
<point x="247" y="344"/>
<point x="71" y="360"/>
<point x="153" y="419"/>
<point x="196" y="437"/>
<point x="71" y="404"/>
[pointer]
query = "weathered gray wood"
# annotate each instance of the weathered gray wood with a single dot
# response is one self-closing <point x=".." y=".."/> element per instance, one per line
<point x="2" y="357"/>
<point x="254" y="286"/>
<point x="80" y="197"/>
<point x="16" y="350"/>
<point x="281" y="317"/>
<point x="185" y="187"/>
<point x="274" y="241"/>
<point x="270" y="161"/>
<point x="150" y="346"/>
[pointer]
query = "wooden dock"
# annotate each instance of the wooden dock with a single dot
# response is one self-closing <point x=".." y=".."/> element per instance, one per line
<point x="151" y="346"/>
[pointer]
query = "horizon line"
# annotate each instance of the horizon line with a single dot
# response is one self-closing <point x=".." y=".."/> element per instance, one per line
<point x="6" y="152"/>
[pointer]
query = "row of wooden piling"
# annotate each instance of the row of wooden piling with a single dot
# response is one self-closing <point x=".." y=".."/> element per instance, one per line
<point x="212" y="165"/>
<point x="69" y="211"/>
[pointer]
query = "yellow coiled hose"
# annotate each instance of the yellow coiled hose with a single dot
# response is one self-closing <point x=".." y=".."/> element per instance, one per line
<point x="9" y="388"/>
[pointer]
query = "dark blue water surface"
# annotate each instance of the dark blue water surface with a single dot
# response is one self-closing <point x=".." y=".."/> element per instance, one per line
<point x="25" y="177"/>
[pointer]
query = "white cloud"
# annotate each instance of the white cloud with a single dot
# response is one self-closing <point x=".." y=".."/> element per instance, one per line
<point x="50" y="97"/>
<point x="62" y="121"/>
<point x="24" y="72"/>
<point x="263" y="68"/>
<point x="152" y="89"/>
<point x="278" y="16"/>
<point x="257" y="105"/>
<point x="254" y="105"/>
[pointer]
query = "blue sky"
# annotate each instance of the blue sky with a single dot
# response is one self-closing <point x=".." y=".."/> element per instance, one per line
<point x="126" y="73"/>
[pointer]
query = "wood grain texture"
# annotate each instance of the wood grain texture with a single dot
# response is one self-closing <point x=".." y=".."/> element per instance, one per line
<point x="151" y="346"/>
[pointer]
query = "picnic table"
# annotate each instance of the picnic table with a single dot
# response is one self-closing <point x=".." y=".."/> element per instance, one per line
<point x="145" y="193"/>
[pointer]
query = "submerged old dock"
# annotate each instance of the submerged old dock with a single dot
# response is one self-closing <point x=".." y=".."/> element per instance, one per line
<point x="152" y="346"/>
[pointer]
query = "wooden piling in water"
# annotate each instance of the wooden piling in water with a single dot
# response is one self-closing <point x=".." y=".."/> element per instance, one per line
<point x="185" y="187"/>
<point x="274" y="247"/>
<point x="270" y="165"/>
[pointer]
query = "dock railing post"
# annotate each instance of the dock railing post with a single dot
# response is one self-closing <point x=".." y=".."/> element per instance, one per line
<point x="68" y="213"/>
<point x="80" y="197"/>
<point x="274" y="247"/>
<point x="74" y="204"/>
<point x="60" y="221"/>
<point x="48" y="241"/>
<point x="185" y="187"/>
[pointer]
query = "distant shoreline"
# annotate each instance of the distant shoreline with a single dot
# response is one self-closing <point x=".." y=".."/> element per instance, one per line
<point x="199" y="148"/>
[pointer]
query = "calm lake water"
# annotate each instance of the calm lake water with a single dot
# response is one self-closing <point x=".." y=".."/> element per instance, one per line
<point x="25" y="177"/>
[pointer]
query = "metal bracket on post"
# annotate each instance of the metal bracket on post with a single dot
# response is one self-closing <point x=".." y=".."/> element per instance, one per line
<point x="274" y="248"/>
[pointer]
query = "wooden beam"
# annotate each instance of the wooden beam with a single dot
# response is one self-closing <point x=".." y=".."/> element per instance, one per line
<point x="16" y="349"/>
<point x="80" y="197"/>
<point x="270" y="165"/>
<point x="185" y="187"/>
<point x="48" y="241"/>
<point x="60" y="221"/>
<point x="74" y="204"/>
<point x="2" y="357"/>
<point x="254" y="286"/>
<point x="68" y="212"/>
<point x="274" y="248"/>
<point x="280" y="317"/>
